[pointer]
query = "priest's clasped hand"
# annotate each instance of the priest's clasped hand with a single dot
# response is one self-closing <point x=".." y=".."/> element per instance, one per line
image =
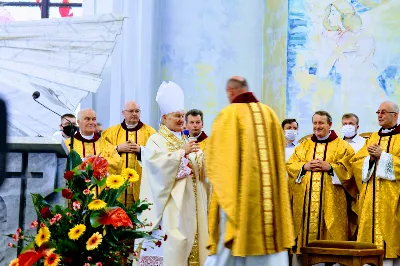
<point x="374" y="151"/>
<point x="191" y="146"/>
<point x="317" y="165"/>
<point x="128" y="147"/>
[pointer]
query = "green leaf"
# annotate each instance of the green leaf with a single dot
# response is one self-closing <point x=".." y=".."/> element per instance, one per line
<point x="31" y="245"/>
<point x="39" y="202"/>
<point x="75" y="158"/>
<point x="101" y="182"/>
<point x="94" y="218"/>
<point x="57" y="190"/>
<point x="129" y="235"/>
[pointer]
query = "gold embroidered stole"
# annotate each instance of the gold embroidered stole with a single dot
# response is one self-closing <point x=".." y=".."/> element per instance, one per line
<point x="377" y="233"/>
<point x="314" y="212"/>
<point x="173" y="144"/>
<point x="267" y="195"/>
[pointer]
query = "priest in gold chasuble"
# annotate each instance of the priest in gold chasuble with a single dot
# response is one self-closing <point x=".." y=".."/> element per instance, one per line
<point x="174" y="181"/>
<point x="377" y="167"/>
<point x="323" y="190"/>
<point x="250" y="222"/>
<point x="87" y="143"/>
<point x="128" y="138"/>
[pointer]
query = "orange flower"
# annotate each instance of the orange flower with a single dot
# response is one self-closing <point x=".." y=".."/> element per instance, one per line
<point x="99" y="165"/>
<point x="52" y="259"/>
<point x="14" y="262"/>
<point x="94" y="241"/>
<point x="116" y="217"/>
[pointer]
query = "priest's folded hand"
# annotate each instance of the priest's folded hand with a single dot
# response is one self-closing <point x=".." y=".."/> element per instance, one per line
<point x="128" y="147"/>
<point x="374" y="151"/>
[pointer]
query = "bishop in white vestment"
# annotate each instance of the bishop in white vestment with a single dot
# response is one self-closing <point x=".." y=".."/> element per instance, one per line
<point x="174" y="181"/>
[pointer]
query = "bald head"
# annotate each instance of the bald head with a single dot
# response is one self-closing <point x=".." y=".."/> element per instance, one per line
<point x="388" y="114"/>
<point x="87" y="121"/>
<point x="129" y="105"/>
<point x="131" y="113"/>
<point x="235" y="86"/>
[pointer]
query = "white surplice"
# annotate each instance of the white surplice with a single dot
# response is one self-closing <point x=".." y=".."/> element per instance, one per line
<point x="224" y="256"/>
<point x="167" y="182"/>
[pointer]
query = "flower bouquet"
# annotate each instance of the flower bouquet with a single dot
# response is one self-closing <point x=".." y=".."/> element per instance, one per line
<point x="95" y="228"/>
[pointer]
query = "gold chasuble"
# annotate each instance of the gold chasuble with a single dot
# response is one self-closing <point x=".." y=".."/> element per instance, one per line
<point x="119" y="134"/>
<point x="321" y="201"/>
<point x="175" y="184"/>
<point x="245" y="163"/>
<point x="379" y="199"/>
<point x="97" y="146"/>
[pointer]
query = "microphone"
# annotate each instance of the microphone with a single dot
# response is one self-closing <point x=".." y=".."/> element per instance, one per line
<point x="73" y="128"/>
<point x="36" y="95"/>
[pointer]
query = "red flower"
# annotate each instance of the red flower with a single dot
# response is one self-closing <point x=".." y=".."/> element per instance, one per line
<point x="89" y="258"/>
<point x="10" y="245"/>
<point x="34" y="224"/>
<point x="116" y="217"/>
<point x="99" y="264"/>
<point x="67" y="193"/>
<point x="165" y="238"/>
<point x="158" y="243"/>
<point x="99" y="166"/>
<point x="159" y="227"/>
<point x="45" y="212"/>
<point x="69" y="175"/>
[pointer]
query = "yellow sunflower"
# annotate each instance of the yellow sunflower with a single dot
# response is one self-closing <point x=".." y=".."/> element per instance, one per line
<point x="42" y="236"/>
<point x="52" y="259"/>
<point x="130" y="174"/>
<point x="76" y="232"/>
<point x="96" y="204"/>
<point x="94" y="241"/>
<point x="115" y="181"/>
<point x="14" y="262"/>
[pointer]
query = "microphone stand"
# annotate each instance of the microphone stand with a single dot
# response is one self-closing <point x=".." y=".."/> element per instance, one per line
<point x="72" y="133"/>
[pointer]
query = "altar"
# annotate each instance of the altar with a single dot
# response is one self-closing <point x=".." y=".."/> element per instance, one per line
<point x="34" y="165"/>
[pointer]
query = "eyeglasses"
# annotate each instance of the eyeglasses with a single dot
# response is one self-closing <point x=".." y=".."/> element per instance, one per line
<point x="383" y="112"/>
<point x="132" y="111"/>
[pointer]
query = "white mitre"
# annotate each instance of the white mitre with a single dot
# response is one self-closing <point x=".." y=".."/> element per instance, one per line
<point x="170" y="98"/>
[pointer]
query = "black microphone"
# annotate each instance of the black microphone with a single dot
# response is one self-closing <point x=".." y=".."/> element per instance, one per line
<point x="36" y="95"/>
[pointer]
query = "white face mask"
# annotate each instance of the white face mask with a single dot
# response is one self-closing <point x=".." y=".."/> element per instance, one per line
<point x="349" y="131"/>
<point x="290" y="134"/>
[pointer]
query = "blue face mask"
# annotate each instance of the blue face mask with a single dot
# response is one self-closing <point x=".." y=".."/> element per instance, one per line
<point x="290" y="134"/>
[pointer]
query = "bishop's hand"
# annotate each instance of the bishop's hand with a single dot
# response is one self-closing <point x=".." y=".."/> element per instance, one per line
<point x="191" y="146"/>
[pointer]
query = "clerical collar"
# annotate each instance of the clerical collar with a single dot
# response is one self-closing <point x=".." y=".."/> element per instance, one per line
<point x="127" y="127"/>
<point x="87" y="137"/>
<point x="92" y="138"/>
<point x="389" y="131"/>
<point x="131" y="126"/>
<point x="198" y="135"/>
<point x="328" y="138"/>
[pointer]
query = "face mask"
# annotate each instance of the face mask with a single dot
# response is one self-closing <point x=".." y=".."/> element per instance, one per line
<point x="67" y="130"/>
<point x="290" y="134"/>
<point x="349" y="131"/>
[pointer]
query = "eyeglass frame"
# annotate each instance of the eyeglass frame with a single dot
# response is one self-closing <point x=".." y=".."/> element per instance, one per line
<point x="383" y="112"/>
<point x="137" y="111"/>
